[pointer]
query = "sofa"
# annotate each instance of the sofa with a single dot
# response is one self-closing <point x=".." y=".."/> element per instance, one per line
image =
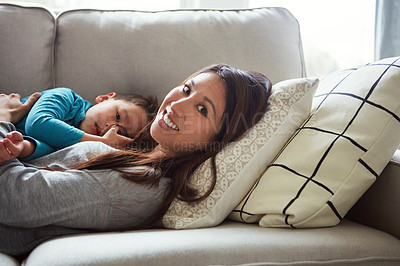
<point x="97" y="51"/>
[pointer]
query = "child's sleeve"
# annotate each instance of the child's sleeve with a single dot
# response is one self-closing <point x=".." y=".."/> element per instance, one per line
<point x="45" y="121"/>
<point x="42" y="149"/>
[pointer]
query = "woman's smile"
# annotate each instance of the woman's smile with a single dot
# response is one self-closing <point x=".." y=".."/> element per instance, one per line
<point x="166" y="122"/>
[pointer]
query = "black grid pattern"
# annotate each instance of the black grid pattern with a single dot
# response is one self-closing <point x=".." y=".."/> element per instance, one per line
<point x="363" y="101"/>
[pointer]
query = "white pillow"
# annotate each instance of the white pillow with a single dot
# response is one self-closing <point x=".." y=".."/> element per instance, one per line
<point x="242" y="162"/>
<point x="336" y="155"/>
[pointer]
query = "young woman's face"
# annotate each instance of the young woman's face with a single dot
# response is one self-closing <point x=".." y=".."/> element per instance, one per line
<point x="129" y="116"/>
<point x="190" y="115"/>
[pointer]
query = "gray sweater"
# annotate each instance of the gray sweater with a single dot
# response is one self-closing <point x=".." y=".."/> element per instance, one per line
<point x="37" y="204"/>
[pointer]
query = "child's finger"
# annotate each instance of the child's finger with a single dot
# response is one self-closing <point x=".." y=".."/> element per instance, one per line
<point x="126" y="139"/>
<point x="121" y="136"/>
<point x="4" y="153"/>
<point x="122" y="141"/>
<point x="13" y="150"/>
<point x="15" y="136"/>
<point x="111" y="131"/>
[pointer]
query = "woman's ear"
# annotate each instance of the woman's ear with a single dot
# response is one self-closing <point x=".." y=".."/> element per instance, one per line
<point x="105" y="97"/>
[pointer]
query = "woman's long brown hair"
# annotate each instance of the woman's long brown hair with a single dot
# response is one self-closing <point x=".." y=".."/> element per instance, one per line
<point x="246" y="101"/>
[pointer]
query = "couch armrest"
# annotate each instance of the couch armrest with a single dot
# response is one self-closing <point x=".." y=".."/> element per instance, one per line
<point x="378" y="207"/>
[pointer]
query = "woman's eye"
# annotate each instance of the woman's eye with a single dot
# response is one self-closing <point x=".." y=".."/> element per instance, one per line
<point x="186" y="89"/>
<point x="118" y="116"/>
<point x="202" y="110"/>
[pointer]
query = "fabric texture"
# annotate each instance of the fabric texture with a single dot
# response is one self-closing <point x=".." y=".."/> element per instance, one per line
<point x="336" y="155"/>
<point x="230" y="243"/>
<point x="242" y="162"/>
<point x="375" y="208"/>
<point x="6" y="260"/>
<point x="37" y="204"/>
<point x="53" y="122"/>
<point x="153" y="52"/>
<point x="26" y="54"/>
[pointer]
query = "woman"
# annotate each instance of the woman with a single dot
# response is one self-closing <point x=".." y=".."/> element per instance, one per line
<point x="211" y="108"/>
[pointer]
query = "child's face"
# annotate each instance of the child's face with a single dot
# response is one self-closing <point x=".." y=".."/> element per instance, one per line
<point x="130" y="117"/>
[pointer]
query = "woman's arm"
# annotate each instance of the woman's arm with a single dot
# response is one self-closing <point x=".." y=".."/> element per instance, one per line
<point x="34" y="197"/>
<point x="31" y="197"/>
<point x="12" y="110"/>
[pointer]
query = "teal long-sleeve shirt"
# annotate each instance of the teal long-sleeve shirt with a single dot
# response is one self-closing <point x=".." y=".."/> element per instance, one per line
<point x="53" y="122"/>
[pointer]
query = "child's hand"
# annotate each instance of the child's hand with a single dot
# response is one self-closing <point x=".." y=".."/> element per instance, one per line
<point x="115" y="140"/>
<point x="11" y="147"/>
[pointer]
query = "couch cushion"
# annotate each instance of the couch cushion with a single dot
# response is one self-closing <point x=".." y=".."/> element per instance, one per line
<point x="231" y="243"/>
<point x="375" y="208"/>
<point x="336" y="155"/>
<point x="240" y="163"/>
<point x="152" y="52"/>
<point x="6" y="260"/>
<point x="26" y="54"/>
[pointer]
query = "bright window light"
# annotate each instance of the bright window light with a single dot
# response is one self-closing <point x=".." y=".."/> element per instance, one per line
<point x="147" y="5"/>
<point x="336" y="34"/>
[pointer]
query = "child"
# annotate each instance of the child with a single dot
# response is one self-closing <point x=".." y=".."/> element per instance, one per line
<point x="60" y="118"/>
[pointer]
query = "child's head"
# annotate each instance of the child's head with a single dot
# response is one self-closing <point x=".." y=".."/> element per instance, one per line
<point x="130" y="112"/>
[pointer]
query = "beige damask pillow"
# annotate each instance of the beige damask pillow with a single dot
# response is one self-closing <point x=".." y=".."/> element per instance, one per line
<point x="242" y="162"/>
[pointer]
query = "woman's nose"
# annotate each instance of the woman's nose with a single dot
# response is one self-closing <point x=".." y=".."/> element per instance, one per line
<point x="180" y="106"/>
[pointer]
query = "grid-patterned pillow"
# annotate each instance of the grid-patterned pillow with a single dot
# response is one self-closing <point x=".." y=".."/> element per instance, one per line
<point x="242" y="162"/>
<point x="336" y="155"/>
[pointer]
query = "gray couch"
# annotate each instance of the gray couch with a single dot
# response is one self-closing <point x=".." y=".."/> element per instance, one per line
<point x="94" y="51"/>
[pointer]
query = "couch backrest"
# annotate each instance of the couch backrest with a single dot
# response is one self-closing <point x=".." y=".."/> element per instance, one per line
<point x="97" y="51"/>
<point x="26" y="48"/>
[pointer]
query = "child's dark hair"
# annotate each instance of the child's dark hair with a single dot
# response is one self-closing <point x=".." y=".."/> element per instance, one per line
<point x="142" y="141"/>
<point x="149" y="103"/>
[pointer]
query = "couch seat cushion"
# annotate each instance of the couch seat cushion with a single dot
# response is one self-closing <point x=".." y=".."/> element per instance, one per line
<point x="230" y="243"/>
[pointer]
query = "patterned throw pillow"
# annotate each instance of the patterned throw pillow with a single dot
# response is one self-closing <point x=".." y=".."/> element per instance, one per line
<point x="336" y="155"/>
<point x="242" y="162"/>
